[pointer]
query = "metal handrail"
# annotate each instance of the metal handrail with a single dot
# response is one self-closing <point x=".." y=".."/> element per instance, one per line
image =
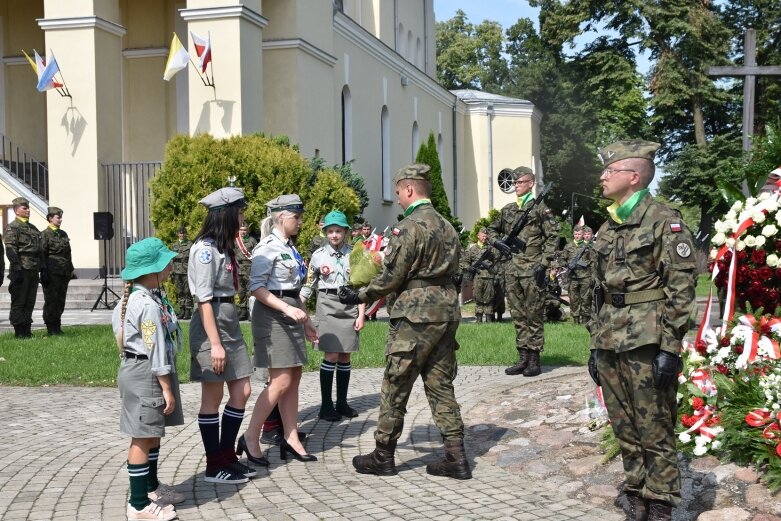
<point x="32" y="173"/>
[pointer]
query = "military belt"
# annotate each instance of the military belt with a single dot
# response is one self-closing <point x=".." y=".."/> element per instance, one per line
<point x="533" y="250"/>
<point x="620" y="300"/>
<point x="425" y="283"/>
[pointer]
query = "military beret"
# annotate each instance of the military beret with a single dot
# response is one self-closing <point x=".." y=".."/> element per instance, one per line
<point x="287" y="202"/>
<point x="415" y="171"/>
<point x="636" y="148"/>
<point x="53" y="210"/>
<point x="521" y="171"/>
<point x="20" y="201"/>
<point x="226" y="196"/>
<point x="483" y="230"/>
<point x="587" y="229"/>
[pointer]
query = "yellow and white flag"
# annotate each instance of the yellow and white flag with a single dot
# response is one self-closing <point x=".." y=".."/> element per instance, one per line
<point x="177" y="59"/>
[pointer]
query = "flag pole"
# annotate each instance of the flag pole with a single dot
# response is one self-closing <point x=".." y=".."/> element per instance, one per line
<point x="198" y="71"/>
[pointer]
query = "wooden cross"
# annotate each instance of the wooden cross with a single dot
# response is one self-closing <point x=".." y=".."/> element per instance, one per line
<point x="749" y="71"/>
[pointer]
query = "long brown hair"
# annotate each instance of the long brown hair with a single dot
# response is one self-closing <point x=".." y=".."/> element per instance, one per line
<point x="121" y="334"/>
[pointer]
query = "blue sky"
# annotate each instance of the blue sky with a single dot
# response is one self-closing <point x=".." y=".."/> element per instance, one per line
<point x="506" y="12"/>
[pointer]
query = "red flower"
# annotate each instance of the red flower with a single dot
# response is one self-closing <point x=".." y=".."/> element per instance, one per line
<point x="722" y="369"/>
<point x="765" y="274"/>
<point x="739" y="349"/>
<point x="755" y="276"/>
<point x="688" y="421"/>
<point x="778" y="244"/>
<point x="778" y="273"/>
<point x="701" y="347"/>
<point x="724" y="342"/>
<point x="742" y="255"/>
<point x="758" y="257"/>
<point x="697" y="403"/>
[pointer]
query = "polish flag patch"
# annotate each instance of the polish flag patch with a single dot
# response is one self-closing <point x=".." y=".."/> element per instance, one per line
<point x="396" y="232"/>
<point x="675" y="227"/>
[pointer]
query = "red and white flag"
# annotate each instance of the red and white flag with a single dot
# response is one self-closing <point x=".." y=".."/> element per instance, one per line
<point x="203" y="48"/>
<point x="582" y="221"/>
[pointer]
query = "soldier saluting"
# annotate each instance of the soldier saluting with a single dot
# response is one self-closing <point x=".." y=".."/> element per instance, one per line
<point x="23" y="249"/>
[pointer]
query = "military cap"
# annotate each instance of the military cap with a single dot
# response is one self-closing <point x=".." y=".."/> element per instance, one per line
<point x="287" y="202"/>
<point x="53" y="210"/>
<point x="483" y="230"/>
<point x="20" y="201"/>
<point x="181" y="229"/>
<point x="226" y="196"/>
<point x="521" y="171"/>
<point x="636" y="148"/>
<point x="416" y="171"/>
<point x="587" y="229"/>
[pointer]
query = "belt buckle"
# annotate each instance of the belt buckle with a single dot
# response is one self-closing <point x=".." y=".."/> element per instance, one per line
<point x="617" y="300"/>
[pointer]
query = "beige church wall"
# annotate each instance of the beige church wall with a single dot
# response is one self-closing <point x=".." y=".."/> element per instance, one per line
<point x="147" y="24"/>
<point x="279" y="81"/>
<point x="36" y="217"/>
<point x="106" y="9"/>
<point x="473" y="184"/>
<point x="512" y="140"/>
<point x="281" y="16"/>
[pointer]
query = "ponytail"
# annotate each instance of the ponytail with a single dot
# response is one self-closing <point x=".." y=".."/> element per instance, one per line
<point x="121" y="334"/>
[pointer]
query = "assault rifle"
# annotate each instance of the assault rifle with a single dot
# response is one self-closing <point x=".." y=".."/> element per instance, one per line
<point x="576" y="263"/>
<point x="511" y="239"/>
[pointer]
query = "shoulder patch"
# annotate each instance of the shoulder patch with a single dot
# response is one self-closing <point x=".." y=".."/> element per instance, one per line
<point x="286" y="256"/>
<point x="205" y="256"/>
<point x="676" y="227"/>
<point x="148" y="329"/>
<point x="396" y="232"/>
<point x="683" y="250"/>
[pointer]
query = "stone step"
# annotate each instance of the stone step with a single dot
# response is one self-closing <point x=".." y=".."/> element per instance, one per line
<point x="82" y="294"/>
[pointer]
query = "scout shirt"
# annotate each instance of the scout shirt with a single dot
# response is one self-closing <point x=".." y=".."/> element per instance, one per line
<point x="182" y="249"/>
<point x="210" y="273"/>
<point x="423" y="247"/>
<point x="23" y="245"/>
<point x="541" y="235"/>
<point x="276" y="265"/>
<point x="652" y="249"/>
<point x="149" y="329"/>
<point x="328" y="269"/>
<point x="56" y="248"/>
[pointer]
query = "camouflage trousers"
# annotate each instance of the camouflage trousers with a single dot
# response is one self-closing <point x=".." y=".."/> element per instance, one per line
<point x="643" y="420"/>
<point x="580" y="299"/>
<point x="23" y="293"/>
<point x="243" y="292"/>
<point x="54" y="295"/>
<point x="484" y="293"/>
<point x="527" y="307"/>
<point x="183" y="297"/>
<point x="428" y="350"/>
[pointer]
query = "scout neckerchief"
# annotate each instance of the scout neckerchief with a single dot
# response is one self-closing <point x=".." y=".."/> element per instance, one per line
<point x="578" y="242"/>
<point x="242" y="248"/>
<point x="620" y="212"/>
<point x="54" y="227"/>
<point x="522" y="200"/>
<point x="414" y="205"/>
<point x="480" y="244"/>
<point x="173" y="332"/>
<point x="300" y="260"/>
<point x="340" y="270"/>
<point x="23" y="219"/>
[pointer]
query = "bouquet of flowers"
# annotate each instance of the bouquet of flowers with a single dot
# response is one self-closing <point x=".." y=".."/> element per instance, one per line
<point x="365" y="263"/>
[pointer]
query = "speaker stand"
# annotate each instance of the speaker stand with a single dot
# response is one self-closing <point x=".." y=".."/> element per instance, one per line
<point x="102" y="299"/>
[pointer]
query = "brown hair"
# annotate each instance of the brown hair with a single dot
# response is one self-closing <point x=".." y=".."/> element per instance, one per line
<point x="121" y="335"/>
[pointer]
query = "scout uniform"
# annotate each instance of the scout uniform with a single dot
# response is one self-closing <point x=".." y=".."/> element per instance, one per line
<point x="580" y="282"/>
<point x="56" y="272"/>
<point x="329" y="269"/>
<point x="483" y="285"/>
<point x="179" y="275"/>
<point x="421" y="259"/>
<point x="645" y="270"/>
<point x="524" y="295"/>
<point x="244" y="246"/>
<point x="278" y="267"/>
<point x="23" y="248"/>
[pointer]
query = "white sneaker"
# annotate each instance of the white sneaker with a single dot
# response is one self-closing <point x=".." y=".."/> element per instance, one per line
<point x="151" y="512"/>
<point x="166" y="495"/>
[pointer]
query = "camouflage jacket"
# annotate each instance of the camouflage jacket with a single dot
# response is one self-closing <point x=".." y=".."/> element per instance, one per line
<point x="23" y="246"/>
<point x="245" y="261"/>
<point x="541" y="234"/>
<point x="586" y="260"/>
<point x="318" y="241"/>
<point x="56" y="248"/>
<point x="182" y="249"/>
<point x="652" y="250"/>
<point x="472" y="253"/>
<point x="423" y="247"/>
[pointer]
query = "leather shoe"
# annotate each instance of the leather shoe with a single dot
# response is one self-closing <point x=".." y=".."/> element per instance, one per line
<point x="241" y="447"/>
<point x="330" y="415"/>
<point x="276" y="436"/>
<point x="347" y="411"/>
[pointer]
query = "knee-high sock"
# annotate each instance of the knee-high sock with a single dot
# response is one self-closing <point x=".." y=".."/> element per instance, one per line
<point x="231" y="423"/>
<point x="138" y="474"/>
<point x="326" y="385"/>
<point x="209" y="425"/>
<point x="152" y="483"/>
<point x="342" y="382"/>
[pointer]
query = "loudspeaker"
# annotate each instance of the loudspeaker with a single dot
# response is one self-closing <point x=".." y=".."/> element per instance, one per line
<point x="103" y="223"/>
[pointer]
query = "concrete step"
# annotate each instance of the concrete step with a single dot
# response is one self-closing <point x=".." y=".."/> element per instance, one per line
<point x="82" y="294"/>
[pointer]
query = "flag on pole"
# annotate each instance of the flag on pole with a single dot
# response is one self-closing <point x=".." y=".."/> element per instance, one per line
<point x="582" y="221"/>
<point x="32" y="63"/>
<point x="203" y="48"/>
<point x="177" y="59"/>
<point x="46" y="72"/>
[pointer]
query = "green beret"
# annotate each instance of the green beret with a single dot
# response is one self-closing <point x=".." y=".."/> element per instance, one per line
<point x="636" y="148"/>
<point x="20" y="201"/>
<point x="415" y="171"/>
<point x="522" y="171"/>
<point x="53" y="210"/>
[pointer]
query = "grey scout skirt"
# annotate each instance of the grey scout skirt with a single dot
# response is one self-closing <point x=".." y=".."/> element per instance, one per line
<point x="142" y="400"/>
<point x="237" y="363"/>
<point x="279" y="341"/>
<point x="335" y="322"/>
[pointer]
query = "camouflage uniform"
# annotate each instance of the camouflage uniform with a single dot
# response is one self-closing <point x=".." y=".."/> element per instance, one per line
<point x="580" y="282"/>
<point x="23" y="248"/>
<point x="483" y="288"/>
<point x="56" y="249"/>
<point x="646" y="268"/>
<point x="318" y="241"/>
<point x="499" y="288"/>
<point x="179" y="278"/>
<point x="245" y="266"/>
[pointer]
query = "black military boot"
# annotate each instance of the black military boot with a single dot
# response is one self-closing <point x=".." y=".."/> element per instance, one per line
<point x="499" y="317"/>
<point x="28" y="330"/>
<point x="520" y="366"/>
<point x="19" y="330"/>
<point x="379" y="462"/>
<point x="637" y="509"/>
<point x="490" y="317"/>
<point x="533" y="369"/>
<point x="51" y="329"/>
<point x="660" y="511"/>
<point x="478" y="317"/>
<point x="454" y="464"/>
<point x="58" y="328"/>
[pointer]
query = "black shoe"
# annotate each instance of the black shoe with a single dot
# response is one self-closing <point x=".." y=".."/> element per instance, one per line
<point x="225" y="476"/>
<point x="346" y="411"/>
<point x="329" y="415"/>
<point x="238" y="467"/>
<point x="285" y="449"/>
<point x="276" y="436"/>
<point x="514" y="369"/>
<point x="241" y="447"/>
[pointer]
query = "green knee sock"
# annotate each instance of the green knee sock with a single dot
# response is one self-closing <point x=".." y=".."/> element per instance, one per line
<point x="326" y="385"/>
<point x="151" y="482"/>
<point x="139" y="474"/>
<point x="342" y="382"/>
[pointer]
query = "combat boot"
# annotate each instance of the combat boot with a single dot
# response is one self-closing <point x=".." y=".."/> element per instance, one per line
<point x="533" y="369"/>
<point x="478" y="318"/>
<point x="51" y="329"/>
<point x="379" y="462"/>
<point x="523" y="362"/>
<point x="637" y="509"/>
<point x="454" y="464"/>
<point x="490" y="317"/>
<point x="19" y="330"/>
<point x="660" y="511"/>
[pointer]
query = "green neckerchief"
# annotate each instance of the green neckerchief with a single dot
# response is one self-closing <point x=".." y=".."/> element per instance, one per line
<point x="522" y="200"/>
<point x="620" y="213"/>
<point x="54" y="227"/>
<point x="414" y="205"/>
<point x="578" y="243"/>
<point x="480" y="244"/>
<point x="23" y="219"/>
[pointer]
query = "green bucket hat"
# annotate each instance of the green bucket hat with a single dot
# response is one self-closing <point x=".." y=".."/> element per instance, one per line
<point x="337" y="218"/>
<point x="144" y="257"/>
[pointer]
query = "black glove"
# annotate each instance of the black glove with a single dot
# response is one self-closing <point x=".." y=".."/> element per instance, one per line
<point x="44" y="278"/>
<point x="16" y="276"/>
<point x="592" y="367"/>
<point x="541" y="276"/>
<point x="458" y="278"/>
<point x="503" y="248"/>
<point x="348" y="295"/>
<point x="665" y="366"/>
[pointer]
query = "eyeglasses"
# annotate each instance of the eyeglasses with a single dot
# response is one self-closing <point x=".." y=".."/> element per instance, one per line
<point x="519" y="182"/>
<point x="609" y="172"/>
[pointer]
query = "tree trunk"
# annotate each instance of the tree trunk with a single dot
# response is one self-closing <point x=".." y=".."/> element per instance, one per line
<point x="699" y="122"/>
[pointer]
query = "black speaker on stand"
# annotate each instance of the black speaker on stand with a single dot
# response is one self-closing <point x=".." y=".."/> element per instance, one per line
<point x="103" y="225"/>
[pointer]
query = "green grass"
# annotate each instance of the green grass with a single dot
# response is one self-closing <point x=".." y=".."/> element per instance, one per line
<point x="703" y="285"/>
<point x="87" y="355"/>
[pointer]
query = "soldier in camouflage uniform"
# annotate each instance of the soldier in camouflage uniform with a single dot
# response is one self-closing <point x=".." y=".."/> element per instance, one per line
<point x="499" y="289"/>
<point x="579" y="274"/>
<point x="179" y="274"/>
<point x="318" y="241"/>
<point x="421" y="260"/>
<point x="483" y="288"/>
<point x="645" y="272"/>
<point x="526" y="274"/>
<point x="23" y="248"/>
<point x="245" y="243"/>
<point x="56" y="270"/>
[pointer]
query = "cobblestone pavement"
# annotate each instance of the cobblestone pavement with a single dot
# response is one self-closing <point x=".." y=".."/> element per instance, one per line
<point x="62" y="457"/>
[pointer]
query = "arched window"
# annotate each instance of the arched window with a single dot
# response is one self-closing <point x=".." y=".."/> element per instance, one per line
<point x="387" y="192"/>
<point x="415" y="140"/>
<point x="347" y="125"/>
